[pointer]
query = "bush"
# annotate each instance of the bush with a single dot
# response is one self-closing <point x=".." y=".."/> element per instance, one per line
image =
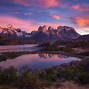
<point x="68" y="74"/>
<point x="8" y="75"/>
<point x="82" y="78"/>
<point x="28" y="81"/>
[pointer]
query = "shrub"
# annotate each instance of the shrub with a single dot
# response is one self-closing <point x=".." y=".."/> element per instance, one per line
<point x="82" y="78"/>
<point x="8" y="75"/>
<point x="28" y="81"/>
<point x="69" y="74"/>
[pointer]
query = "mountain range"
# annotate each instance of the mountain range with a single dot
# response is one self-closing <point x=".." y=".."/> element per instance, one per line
<point x="43" y="34"/>
<point x="62" y="33"/>
<point x="13" y="32"/>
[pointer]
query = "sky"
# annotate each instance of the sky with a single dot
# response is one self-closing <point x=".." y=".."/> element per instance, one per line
<point x="30" y="14"/>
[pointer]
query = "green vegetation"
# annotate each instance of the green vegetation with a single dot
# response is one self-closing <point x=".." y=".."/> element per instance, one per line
<point x="8" y="76"/>
<point x="54" y="47"/>
<point x="76" y="48"/>
<point x="84" y="53"/>
<point x="74" y="44"/>
<point x="28" y="81"/>
<point x="7" y="40"/>
<point x="24" y="80"/>
<point x="77" y="71"/>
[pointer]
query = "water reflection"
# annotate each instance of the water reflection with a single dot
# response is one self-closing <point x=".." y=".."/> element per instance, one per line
<point x="48" y="55"/>
<point x="42" y="60"/>
<point x="45" y="55"/>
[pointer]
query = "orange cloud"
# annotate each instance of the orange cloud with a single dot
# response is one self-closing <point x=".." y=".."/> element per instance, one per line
<point x="50" y="3"/>
<point x="81" y="21"/>
<point x="18" y="23"/>
<point x="54" y="17"/>
<point x="81" y="24"/>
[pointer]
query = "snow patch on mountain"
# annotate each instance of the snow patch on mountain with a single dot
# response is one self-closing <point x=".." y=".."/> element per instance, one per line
<point x="10" y="30"/>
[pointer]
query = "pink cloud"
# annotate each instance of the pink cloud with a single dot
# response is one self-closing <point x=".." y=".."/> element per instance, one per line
<point x="57" y="17"/>
<point x="18" y="23"/>
<point x="49" y="3"/>
<point x="37" y="3"/>
<point x="82" y="8"/>
<point x="25" y="25"/>
<point x="76" y="7"/>
<point x="19" y="2"/>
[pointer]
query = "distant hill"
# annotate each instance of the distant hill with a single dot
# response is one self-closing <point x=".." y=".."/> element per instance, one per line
<point x="83" y="38"/>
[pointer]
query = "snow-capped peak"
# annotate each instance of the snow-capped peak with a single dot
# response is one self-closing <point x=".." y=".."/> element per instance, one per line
<point x="66" y="28"/>
<point x="45" y="34"/>
<point x="10" y="30"/>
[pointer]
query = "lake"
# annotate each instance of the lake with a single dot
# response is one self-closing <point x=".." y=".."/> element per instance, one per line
<point x="18" y="48"/>
<point x="33" y="61"/>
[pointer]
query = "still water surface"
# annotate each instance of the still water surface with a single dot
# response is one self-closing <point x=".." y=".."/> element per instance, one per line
<point x="18" y="48"/>
<point x="37" y="61"/>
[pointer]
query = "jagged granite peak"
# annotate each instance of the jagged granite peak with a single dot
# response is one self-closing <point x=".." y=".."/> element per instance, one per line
<point x="66" y="28"/>
<point x="67" y="32"/>
<point x="43" y="34"/>
<point x="39" y="29"/>
<point x="50" y="28"/>
<point x="42" y="28"/>
<point x="50" y="34"/>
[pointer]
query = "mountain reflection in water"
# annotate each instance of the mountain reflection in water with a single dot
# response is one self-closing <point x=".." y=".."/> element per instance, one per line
<point x="37" y="61"/>
<point x="48" y="55"/>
